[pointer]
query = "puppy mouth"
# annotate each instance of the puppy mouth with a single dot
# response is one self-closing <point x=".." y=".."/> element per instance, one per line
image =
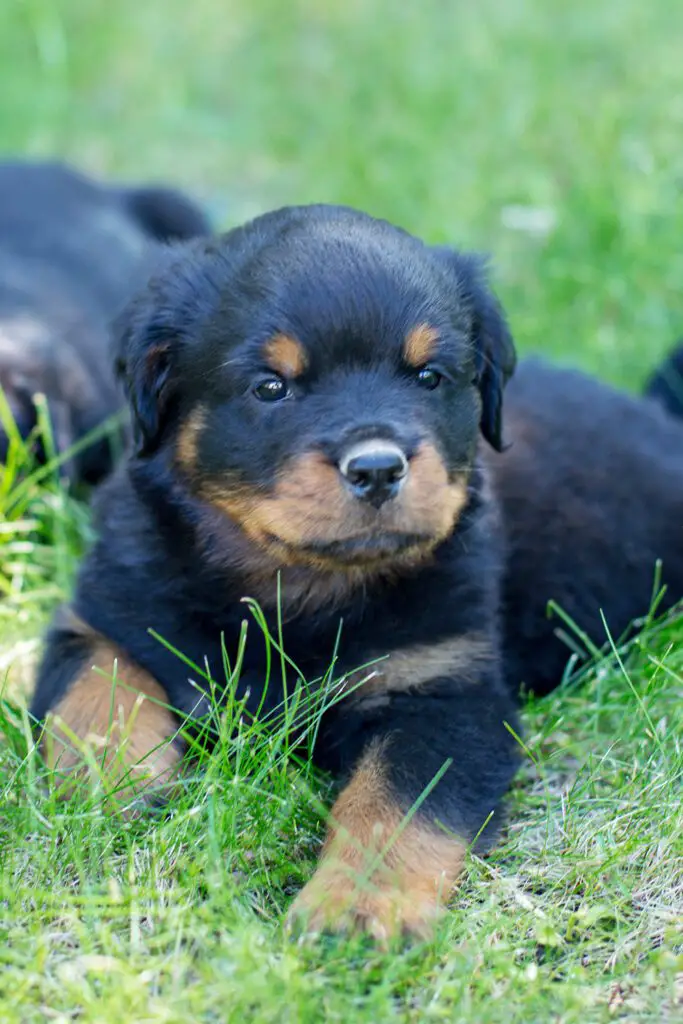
<point x="363" y="549"/>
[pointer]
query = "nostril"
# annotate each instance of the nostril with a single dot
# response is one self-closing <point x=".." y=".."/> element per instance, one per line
<point x="355" y="472"/>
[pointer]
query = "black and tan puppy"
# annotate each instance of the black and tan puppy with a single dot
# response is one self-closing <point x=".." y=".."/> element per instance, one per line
<point x="310" y="393"/>
<point x="70" y="251"/>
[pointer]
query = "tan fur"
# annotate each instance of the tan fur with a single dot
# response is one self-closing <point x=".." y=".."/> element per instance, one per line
<point x="286" y="356"/>
<point x="188" y="440"/>
<point x="377" y="873"/>
<point x="420" y="345"/>
<point x="461" y="656"/>
<point x="267" y="533"/>
<point x="431" y="498"/>
<point x="122" y="725"/>
<point x="310" y="505"/>
<point x="224" y="543"/>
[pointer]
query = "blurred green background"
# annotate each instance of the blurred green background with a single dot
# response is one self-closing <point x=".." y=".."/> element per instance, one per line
<point x="548" y="134"/>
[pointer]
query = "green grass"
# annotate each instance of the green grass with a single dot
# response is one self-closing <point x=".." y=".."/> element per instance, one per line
<point x="551" y="135"/>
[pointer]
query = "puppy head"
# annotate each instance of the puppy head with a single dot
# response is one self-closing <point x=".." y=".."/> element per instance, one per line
<point x="320" y="378"/>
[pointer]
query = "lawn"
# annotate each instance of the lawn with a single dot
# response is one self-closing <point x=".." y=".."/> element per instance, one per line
<point x="550" y="135"/>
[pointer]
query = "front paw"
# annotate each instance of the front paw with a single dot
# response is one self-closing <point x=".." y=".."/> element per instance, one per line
<point x="379" y="873"/>
<point x="339" y="901"/>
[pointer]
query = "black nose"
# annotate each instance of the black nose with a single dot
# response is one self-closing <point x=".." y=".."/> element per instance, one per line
<point x="375" y="470"/>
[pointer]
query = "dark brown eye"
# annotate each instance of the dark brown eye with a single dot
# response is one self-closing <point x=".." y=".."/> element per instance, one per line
<point x="271" y="389"/>
<point x="428" y="378"/>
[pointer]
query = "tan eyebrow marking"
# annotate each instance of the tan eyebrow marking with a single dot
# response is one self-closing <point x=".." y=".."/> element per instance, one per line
<point x="420" y="345"/>
<point x="286" y="355"/>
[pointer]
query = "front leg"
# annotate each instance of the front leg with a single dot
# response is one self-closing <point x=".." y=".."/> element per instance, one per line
<point x="395" y="846"/>
<point x="106" y="719"/>
<point x="103" y="717"/>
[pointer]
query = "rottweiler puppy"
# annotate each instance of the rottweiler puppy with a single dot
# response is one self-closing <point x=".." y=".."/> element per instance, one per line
<point x="70" y="251"/>
<point x="318" y="403"/>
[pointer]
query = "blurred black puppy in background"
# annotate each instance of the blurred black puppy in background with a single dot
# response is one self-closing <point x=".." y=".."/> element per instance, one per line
<point x="70" y="250"/>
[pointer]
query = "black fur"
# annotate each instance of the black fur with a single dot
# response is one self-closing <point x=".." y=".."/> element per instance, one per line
<point x="591" y="490"/>
<point x="588" y="495"/>
<point x="164" y="213"/>
<point x="496" y="357"/>
<point x="71" y="251"/>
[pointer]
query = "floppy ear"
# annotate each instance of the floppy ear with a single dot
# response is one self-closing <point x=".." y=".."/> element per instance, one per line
<point x="144" y="353"/>
<point x="165" y="214"/>
<point x="494" y="347"/>
<point x="150" y="336"/>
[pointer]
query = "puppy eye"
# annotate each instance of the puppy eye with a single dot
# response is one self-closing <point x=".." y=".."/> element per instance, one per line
<point x="271" y="389"/>
<point x="429" y="378"/>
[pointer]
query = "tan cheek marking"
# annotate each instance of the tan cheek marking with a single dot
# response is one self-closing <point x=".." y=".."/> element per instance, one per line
<point x="188" y="440"/>
<point x="430" y="497"/>
<point x="406" y="891"/>
<point x="127" y="728"/>
<point x="420" y="345"/>
<point x="464" y="657"/>
<point x="286" y="355"/>
<point x="308" y="497"/>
